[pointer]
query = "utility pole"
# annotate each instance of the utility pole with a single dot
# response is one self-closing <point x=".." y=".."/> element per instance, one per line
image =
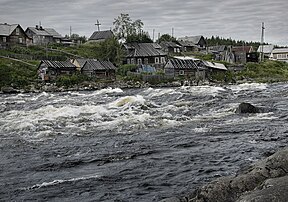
<point x="98" y="25"/>
<point x="262" y="43"/>
<point x="153" y="35"/>
<point x="70" y="31"/>
<point x="172" y="32"/>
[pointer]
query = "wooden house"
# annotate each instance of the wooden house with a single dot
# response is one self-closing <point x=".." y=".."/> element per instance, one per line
<point x="240" y="53"/>
<point x="187" y="46"/>
<point x="222" y="53"/>
<point x="49" y="70"/>
<point x="145" y="53"/>
<point x="183" y="67"/>
<point x="99" y="69"/>
<point x="196" y="40"/>
<point x="212" y="67"/>
<point x="279" y="54"/>
<point x="170" y="47"/>
<point x="43" y="36"/>
<point x="99" y="36"/>
<point x="11" y="35"/>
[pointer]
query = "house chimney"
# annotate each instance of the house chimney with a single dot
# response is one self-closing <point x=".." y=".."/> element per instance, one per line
<point x="41" y="28"/>
<point x="37" y="27"/>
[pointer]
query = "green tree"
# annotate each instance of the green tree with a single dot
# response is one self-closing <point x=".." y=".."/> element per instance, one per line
<point x="129" y="30"/>
<point x="110" y="50"/>
<point x="166" y="37"/>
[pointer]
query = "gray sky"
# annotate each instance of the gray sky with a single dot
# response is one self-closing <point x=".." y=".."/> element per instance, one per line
<point x="238" y="19"/>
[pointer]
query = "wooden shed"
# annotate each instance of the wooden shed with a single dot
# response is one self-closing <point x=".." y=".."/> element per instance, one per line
<point x="49" y="70"/>
<point x="99" y="69"/>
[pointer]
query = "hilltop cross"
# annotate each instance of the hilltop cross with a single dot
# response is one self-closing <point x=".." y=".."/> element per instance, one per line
<point x="98" y="25"/>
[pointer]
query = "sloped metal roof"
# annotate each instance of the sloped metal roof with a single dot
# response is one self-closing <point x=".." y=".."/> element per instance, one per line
<point x="53" y="33"/>
<point x="45" y="32"/>
<point x="98" y="65"/>
<point x="144" y="50"/>
<point x="98" y="35"/>
<point x="215" y="65"/>
<point x="182" y="64"/>
<point x="166" y="44"/>
<point x="266" y="49"/>
<point x="193" y="39"/>
<point x="58" y="64"/>
<point x="280" y="50"/>
<point x="6" y="29"/>
<point x="187" y="44"/>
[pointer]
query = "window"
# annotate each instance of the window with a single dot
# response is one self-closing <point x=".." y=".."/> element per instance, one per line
<point x="128" y="61"/>
<point x="156" y="60"/>
<point x="4" y="39"/>
<point x="146" y="61"/>
<point x="181" y="72"/>
<point x="132" y="61"/>
<point x="17" y="31"/>
<point x="139" y="61"/>
<point x="281" y="56"/>
<point x="20" y="40"/>
<point x="162" y="60"/>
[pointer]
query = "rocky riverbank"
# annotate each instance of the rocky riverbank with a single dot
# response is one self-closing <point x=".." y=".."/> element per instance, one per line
<point x="265" y="181"/>
<point x="85" y="86"/>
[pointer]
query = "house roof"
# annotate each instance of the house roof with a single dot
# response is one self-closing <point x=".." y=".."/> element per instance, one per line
<point x="166" y="44"/>
<point x="177" y="63"/>
<point x="246" y="49"/>
<point x="57" y="64"/>
<point x="187" y="44"/>
<point x="98" y="65"/>
<point x="144" y="50"/>
<point x="280" y="50"/>
<point x="214" y="65"/>
<point x="216" y="49"/>
<point x="44" y="32"/>
<point x="99" y="35"/>
<point x="53" y="33"/>
<point x="82" y="61"/>
<point x="193" y="39"/>
<point x="266" y="49"/>
<point x="6" y="29"/>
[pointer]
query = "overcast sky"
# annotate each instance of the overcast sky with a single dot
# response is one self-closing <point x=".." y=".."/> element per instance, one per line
<point x="238" y="19"/>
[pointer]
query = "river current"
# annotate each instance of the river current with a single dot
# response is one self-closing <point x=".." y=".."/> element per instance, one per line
<point x="133" y="144"/>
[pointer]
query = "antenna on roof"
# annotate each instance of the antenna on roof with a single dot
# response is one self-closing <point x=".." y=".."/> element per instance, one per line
<point x="262" y="43"/>
<point x="98" y="25"/>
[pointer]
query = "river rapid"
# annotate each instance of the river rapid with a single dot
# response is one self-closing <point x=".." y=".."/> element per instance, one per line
<point x="133" y="144"/>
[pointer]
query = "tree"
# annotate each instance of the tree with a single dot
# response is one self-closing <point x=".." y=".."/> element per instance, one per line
<point x="110" y="50"/>
<point x="129" y="30"/>
<point x="166" y="37"/>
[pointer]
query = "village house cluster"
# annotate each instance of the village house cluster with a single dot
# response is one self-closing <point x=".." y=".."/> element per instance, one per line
<point x="150" y="57"/>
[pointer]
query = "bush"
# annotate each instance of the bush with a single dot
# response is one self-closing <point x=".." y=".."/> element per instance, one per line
<point x="70" y="80"/>
<point x="124" y="69"/>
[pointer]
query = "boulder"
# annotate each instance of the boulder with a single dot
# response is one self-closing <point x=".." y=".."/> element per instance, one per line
<point x="8" y="89"/>
<point x="247" y="108"/>
<point x="267" y="180"/>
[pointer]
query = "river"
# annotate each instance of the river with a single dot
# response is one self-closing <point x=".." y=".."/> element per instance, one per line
<point x="133" y="144"/>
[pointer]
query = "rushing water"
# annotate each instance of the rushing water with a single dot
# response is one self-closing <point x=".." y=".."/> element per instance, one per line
<point x="136" y="144"/>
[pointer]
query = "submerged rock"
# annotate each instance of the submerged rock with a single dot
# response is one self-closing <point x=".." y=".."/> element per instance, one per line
<point x="247" y="108"/>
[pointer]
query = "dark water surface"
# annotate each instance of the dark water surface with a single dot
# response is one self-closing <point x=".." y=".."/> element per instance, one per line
<point x="133" y="145"/>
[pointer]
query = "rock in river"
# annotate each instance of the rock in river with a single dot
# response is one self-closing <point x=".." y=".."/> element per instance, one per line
<point x="247" y="108"/>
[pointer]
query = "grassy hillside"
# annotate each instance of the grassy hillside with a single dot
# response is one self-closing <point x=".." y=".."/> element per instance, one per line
<point x="16" y="74"/>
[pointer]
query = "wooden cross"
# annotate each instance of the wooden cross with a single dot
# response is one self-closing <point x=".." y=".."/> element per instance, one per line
<point x="98" y="25"/>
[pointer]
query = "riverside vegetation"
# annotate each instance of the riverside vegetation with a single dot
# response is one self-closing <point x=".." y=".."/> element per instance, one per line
<point x="22" y="76"/>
